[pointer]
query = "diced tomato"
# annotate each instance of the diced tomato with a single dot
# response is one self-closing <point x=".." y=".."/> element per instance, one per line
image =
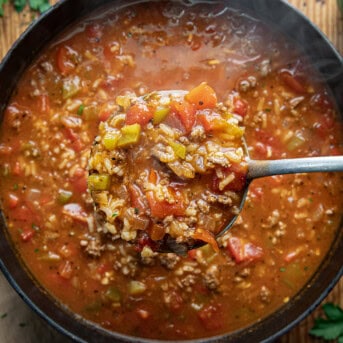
<point x="64" y="61"/>
<point x="192" y="254"/>
<point x="27" y="235"/>
<point x="94" y="30"/>
<point x="17" y="170"/>
<point x="65" y="270"/>
<point x="207" y="237"/>
<point x="144" y="241"/>
<point x="104" y="115"/>
<point x="240" y="107"/>
<point x="186" y="112"/>
<point x="162" y="209"/>
<point x="202" y="96"/>
<point x="74" y="138"/>
<point x="70" y="134"/>
<point x="211" y="317"/>
<point x="292" y="82"/>
<point x="266" y="142"/>
<point x="237" y="184"/>
<point x="243" y="251"/>
<point x="138" y="113"/>
<point x="13" y="200"/>
<point x="137" y="198"/>
<point x="22" y="213"/>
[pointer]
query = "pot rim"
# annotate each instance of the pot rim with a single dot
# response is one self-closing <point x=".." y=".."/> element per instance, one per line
<point x="316" y="289"/>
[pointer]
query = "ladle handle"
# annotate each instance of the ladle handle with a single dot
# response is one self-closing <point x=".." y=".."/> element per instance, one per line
<point x="261" y="168"/>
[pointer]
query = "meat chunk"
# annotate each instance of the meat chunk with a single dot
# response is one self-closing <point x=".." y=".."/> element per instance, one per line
<point x="265" y="295"/>
<point x="94" y="247"/>
<point x="169" y="260"/>
<point x="211" y="278"/>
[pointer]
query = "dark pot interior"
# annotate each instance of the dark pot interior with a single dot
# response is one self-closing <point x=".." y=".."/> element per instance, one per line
<point x="277" y="13"/>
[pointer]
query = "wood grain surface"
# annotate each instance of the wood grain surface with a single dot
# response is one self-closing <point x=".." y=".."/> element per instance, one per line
<point x="17" y="322"/>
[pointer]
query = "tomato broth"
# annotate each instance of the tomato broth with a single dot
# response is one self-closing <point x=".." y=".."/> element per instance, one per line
<point x="288" y="222"/>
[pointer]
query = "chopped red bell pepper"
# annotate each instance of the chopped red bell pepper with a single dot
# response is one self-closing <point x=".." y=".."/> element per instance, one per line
<point x="243" y="251"/>
<point x="138" y="113"/>
<point x="162" y="209"/>
<point x="186" y="113"/>
<point x="240" y="107"/>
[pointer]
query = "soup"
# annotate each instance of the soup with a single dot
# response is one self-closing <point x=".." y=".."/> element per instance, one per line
<point x="288" y="222"/>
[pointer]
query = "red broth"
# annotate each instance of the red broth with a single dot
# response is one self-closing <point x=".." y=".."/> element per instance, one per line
<point x="288" y="222"/>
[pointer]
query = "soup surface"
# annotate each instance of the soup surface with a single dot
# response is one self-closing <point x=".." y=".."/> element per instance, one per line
<point x="285" y="228"/>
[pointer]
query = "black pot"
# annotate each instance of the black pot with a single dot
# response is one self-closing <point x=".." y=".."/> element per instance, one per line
<point x="276" y="13"/>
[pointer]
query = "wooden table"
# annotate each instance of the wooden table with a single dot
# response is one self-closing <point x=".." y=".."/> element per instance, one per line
<point x="17" y="322"/>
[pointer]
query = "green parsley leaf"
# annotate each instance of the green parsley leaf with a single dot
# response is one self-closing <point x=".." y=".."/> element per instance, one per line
<point x="19" y="5"/>
<point x="2" y="2"/>
<point x="114" y="214"/>
<point x="39" y="5"/>
<point x="331" y="327"/>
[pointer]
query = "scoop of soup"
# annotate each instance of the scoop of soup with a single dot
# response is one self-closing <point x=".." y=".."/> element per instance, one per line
<point x="168" y="165"/>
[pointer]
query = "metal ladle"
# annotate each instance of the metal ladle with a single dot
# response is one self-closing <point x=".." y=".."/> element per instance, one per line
<point x="258" y="169"/>
<point x="263" y="168"/>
